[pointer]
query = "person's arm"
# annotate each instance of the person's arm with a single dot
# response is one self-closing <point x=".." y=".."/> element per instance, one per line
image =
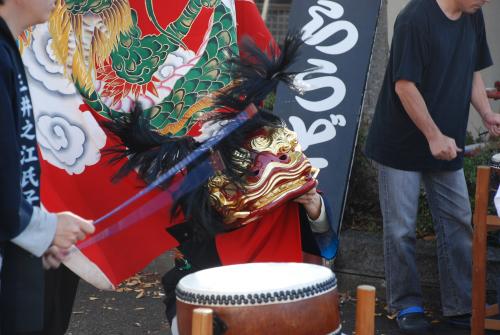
<point x="441" y="146"/>
<point x="50" y="235"/>
<point x="320" y="224"/>
<point x="40" y="229"/>
<point x="481" y="104"/>
<point x="315" y="210"/>
<point x="45" y="229"/>
<point x="29" y="227"/>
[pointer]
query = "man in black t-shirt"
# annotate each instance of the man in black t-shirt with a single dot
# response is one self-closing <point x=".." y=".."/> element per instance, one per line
<point x="418" y="135"/>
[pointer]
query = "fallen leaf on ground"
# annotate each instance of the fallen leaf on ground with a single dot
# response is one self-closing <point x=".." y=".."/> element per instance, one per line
<point x="132" y="283"/>
<point x="140" y="295"/>
<point x="343" y="297"/>
<point x="392" y="316"/>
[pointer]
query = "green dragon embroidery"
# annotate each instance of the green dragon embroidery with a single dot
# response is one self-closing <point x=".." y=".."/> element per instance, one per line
<point x="134" y="59"/>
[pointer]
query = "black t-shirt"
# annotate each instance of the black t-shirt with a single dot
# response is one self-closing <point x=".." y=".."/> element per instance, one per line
<point x="440" y="56"/>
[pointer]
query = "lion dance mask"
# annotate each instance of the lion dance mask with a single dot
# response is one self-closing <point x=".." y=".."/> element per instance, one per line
<point x="278" y="172"/>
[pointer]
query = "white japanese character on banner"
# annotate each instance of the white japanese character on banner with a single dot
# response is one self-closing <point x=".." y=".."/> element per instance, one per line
<point x="26" y="106"/>
<point x="28" y="154"/>
<point x="28" y="130"/>
<point x="29" y="178"/>
<point x="31" y="197"/>
<point x="22" y="86"/>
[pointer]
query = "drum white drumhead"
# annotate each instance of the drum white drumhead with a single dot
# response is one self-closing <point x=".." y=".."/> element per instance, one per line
<point x="254" y="278"/>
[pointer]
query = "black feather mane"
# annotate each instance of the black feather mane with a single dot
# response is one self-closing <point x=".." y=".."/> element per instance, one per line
<point x="143" y="149"/>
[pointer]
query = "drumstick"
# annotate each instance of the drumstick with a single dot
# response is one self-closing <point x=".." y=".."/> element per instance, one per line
<point x="365" y="310"/>
<point x="202" y="322"/>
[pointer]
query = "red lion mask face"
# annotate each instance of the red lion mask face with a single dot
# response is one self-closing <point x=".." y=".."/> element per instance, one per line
<point x="279" y="173"/>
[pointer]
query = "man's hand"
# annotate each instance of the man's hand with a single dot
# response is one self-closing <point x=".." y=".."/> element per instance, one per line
<point x="71" y="229"/>
<point x="492" y="122"/>
<point x="444" y="147"/>
<point x="53" y="257"/>
<point x="480" y="102"/>
<point x="311" y="202"/>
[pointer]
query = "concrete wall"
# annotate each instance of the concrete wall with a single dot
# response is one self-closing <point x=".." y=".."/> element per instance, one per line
<point x="492" y="14"/>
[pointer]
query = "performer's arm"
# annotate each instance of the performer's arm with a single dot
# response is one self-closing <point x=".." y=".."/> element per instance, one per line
<point x="480" y="102"/>
<point x="321" y="224"/>
<point x="315" y="209"/>
<point x="29" y="228"/>
<point x="441" y="146"/>
<point x="48" y="234"/>
<point x="40" y="229"/>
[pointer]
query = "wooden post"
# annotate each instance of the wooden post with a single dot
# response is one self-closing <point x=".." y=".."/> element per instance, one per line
<point x="202" y="322"/>
<point x="479" y="251"/>
<point x="265" y="9"/>
<point x="365" y="310"/>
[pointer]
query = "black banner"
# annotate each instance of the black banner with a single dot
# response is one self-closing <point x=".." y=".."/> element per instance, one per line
<point x="338" y="39"/>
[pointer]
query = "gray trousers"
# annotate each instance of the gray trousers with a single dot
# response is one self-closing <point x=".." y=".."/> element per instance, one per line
<point x="449" y="204"/>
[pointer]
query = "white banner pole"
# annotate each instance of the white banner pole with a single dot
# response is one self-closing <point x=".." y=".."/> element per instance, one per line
<point x="265" y="9"/>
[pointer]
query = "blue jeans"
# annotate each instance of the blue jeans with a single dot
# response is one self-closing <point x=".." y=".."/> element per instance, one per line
<point x="449" y="204"/>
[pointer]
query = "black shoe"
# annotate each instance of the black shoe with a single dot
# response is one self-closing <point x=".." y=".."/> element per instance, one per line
<point x="413" y="323"/>
<point x="459" y="321"/>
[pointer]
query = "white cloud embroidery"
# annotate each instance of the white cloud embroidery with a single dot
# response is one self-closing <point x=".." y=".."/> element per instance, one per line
<point x="69" y="139"/>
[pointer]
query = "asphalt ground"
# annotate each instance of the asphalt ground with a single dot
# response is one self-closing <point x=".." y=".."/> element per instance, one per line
<point x="137" y="308"/>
